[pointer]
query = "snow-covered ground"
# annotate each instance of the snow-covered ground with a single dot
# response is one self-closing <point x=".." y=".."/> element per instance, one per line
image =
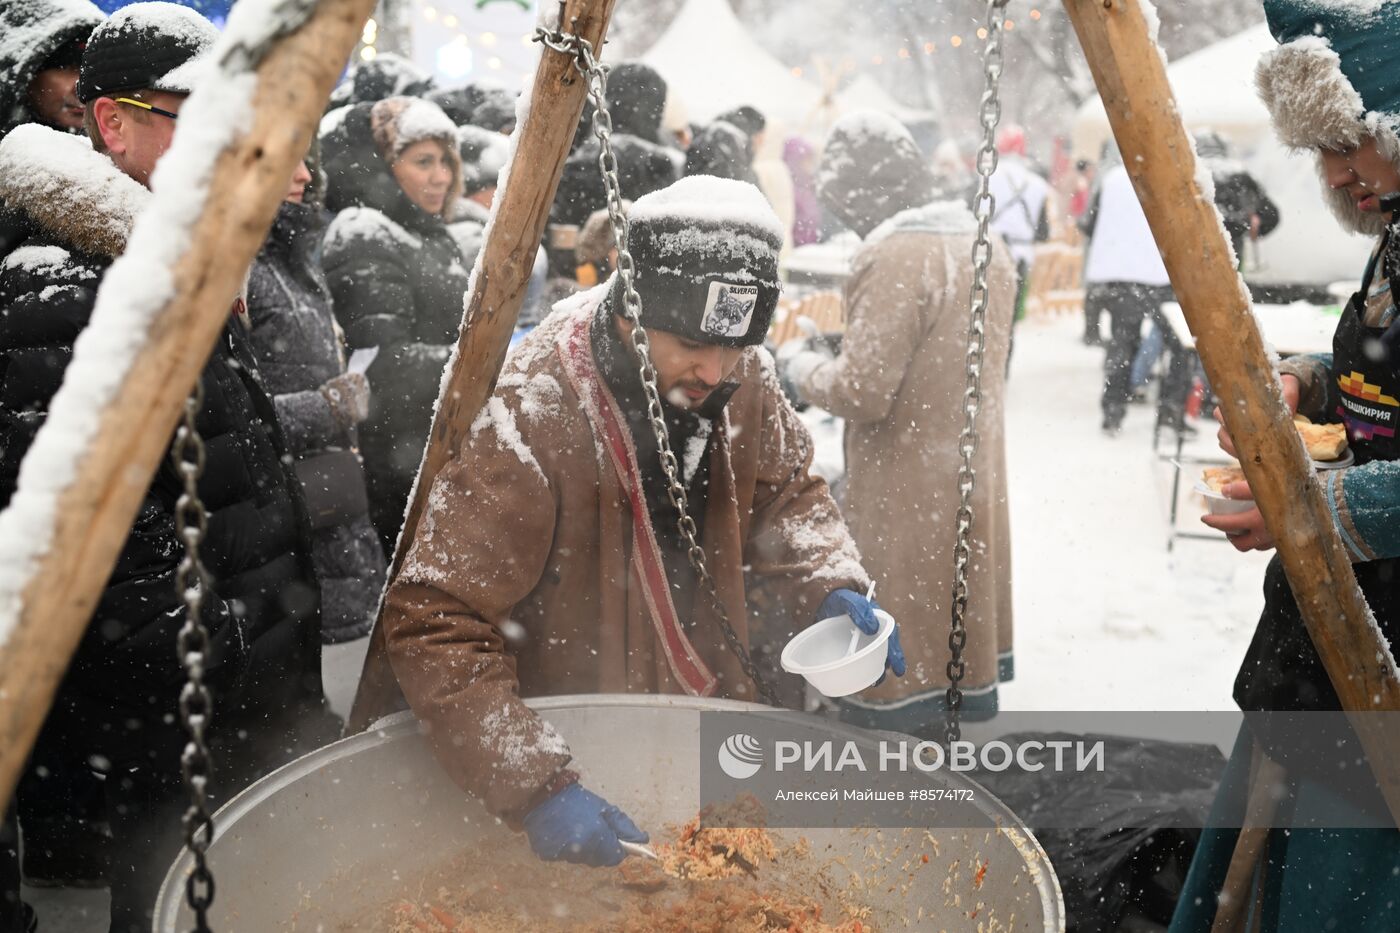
<point x="1106" y="618"/>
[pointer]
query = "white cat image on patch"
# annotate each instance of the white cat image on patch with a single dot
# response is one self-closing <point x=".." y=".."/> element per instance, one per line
<point x="729" y="309"/>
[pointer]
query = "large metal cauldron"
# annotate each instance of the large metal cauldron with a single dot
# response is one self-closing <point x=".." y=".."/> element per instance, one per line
<point x="331" y="838"/>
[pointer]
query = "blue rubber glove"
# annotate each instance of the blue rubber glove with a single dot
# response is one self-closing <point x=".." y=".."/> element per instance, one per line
<point x="862" y="613"/>
<point x="576" y="825"/>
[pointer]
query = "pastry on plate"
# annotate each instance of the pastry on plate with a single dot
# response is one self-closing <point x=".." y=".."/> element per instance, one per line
<point x="1324" y="441"/>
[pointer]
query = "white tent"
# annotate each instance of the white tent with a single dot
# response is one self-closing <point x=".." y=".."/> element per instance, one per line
<point x="711" y="61"/>
<point x="865" y="93"/>
<point x="1214" y="89"/>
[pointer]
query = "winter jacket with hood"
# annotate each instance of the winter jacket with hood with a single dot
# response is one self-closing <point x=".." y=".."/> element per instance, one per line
<point x="298" y="347"/>
<point x="398" y="282"/>
<point x="521" y="582"/>
<point x="31" y="31"/>
<point x="899" y="383"/>
<point x="263" y="609"/>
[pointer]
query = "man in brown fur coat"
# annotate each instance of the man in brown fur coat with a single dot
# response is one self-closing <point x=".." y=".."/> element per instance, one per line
<point x="549" y="561"/>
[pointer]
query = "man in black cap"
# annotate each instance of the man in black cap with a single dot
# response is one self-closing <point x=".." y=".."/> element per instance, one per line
<point x="117" y="709"/>
<point x="549" y="560"/>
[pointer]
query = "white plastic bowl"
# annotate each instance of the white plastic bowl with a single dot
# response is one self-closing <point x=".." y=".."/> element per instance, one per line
<point x="1218" y="504"/>
<point x="818" y="653"/>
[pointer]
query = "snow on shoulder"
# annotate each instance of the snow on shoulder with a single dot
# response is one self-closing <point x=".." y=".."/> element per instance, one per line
<point x="709" y="201"/>
<point x="44" y="168"/>
<point x="950" y="218"/>
<point x="1357" y="8"/>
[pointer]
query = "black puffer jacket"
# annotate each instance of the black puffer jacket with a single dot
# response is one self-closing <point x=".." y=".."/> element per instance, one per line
<point x="398" y="283"/>
<point x="263" y="612"/>
<point x="298" y="347"/>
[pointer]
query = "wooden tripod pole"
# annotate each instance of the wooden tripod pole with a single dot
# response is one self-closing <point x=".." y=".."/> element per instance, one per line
<point x="542" y="142"/>
<point x="295" y="73"/>
<point x="1132" y="81"/>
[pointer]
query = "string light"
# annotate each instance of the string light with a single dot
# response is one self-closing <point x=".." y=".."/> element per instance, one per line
<point x="429" y="13"/>
<point x="929" y="48"/>
<point x="450" y="21"/>
<point x="797" y="72"/>
<point x="1035" y="14"/>
<point x="878" y="60"/>
<point x="367" y="53"/>
<point x="956" y="41"/>
<point x="487" y="39"/>
<point x="904" y="53"/>
<point x="494" y="64"/>
<point x="1008" y="25"/>
<point x="982" y="33"/>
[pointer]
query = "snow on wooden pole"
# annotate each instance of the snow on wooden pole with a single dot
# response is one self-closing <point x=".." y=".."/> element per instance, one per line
<point x="541" y="143"/>
<point x="1119" y="42"/>
<point x="159" y="310"/>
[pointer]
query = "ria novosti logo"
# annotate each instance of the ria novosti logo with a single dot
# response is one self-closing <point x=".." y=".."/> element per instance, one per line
<point x="740" y="756"/>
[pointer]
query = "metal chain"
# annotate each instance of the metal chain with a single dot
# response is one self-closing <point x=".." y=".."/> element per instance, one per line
<point x="984" y="207"/>
<point x="196" y="705"/>
<point x="596" y="75"/>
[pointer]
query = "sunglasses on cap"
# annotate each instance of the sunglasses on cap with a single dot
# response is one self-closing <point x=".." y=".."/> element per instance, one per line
<point x="145" y="106"/>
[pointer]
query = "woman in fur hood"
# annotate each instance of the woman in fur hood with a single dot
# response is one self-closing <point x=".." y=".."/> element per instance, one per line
<point x="396" y="275"/>
<point x="1332" y="88"/>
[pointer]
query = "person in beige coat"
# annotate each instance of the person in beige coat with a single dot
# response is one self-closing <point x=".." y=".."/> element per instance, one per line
<point x="548" y="560"/>
<point x="899" y="382"/>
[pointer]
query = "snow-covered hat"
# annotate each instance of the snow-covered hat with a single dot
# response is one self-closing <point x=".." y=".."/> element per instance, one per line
<point x="1333" y="81"/>
<point x="146" y="46"/>
<point x="706" y="254"/>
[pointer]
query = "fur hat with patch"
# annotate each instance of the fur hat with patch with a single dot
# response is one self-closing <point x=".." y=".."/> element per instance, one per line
<point x="706" y="255"/>
<point x="1332" y="82"/>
